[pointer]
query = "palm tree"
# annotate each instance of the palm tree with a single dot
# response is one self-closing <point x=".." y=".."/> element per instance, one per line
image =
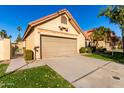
<point x="3" y="34"/>
<point x="116" y="16"/>
<point x="19" y="35"/>
<point x="9" y="36"/>
<point x="19" y="28"/>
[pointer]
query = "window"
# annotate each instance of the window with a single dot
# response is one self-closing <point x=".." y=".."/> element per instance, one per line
<point x="63" y="20"/>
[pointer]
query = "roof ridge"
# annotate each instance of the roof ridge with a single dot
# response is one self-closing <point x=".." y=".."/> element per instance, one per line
<point x="51" y="16"/>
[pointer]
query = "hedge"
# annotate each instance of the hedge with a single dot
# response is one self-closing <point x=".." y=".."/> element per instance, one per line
<point x="82" y="50"/>
<point x="28" y="55"/>
<point x="85" y="50"/>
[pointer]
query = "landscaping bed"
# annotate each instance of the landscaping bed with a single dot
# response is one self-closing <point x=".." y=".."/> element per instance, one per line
<point x="40" y="77"/>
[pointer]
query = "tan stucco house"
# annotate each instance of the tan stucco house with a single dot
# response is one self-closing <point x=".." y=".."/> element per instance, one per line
<point x="19" y="45"/>
<point x="57" y="34"/>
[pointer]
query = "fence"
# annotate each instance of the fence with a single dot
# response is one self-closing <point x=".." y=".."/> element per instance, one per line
<point x="5" y="49"/>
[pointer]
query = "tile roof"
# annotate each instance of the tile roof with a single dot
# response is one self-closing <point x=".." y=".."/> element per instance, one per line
<point x="88" y="33"/>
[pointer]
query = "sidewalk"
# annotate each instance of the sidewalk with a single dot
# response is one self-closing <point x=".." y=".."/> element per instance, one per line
<point x="15" y="64"/>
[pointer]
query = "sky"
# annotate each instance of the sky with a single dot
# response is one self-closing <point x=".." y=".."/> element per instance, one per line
<point x="85" y="15"/>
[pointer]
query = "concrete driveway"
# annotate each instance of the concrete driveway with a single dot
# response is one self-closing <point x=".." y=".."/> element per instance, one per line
<point x="81" y="71"/>
<point x="88" y="72"/>
<point x="74" y="67"/>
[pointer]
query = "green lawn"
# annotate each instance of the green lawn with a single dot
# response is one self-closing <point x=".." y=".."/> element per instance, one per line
<point x="40" y="77"/>
<point x="2" y="69"/>
<point x="117" y="57"/>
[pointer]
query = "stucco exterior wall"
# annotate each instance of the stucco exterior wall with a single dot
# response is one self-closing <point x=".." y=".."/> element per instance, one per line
<point x="1" y="50"/>
<point x="104" y="45"/>
<point x="20" y="45"/>
<point x="30" y="41"/>
<point x="54" y="24"/>
<point x="81" y="41"/>
<point x="101" y="44"/>
<point x="37" y="43"/>
<point x="5" y="49"/>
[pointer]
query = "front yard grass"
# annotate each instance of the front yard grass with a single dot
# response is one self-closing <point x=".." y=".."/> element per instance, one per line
<point x="117" y="57"/>
<point x="3" y="68"/>
<point x="40" y="77"/>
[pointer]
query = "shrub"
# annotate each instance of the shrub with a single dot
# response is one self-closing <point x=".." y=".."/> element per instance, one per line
<point x="82" y="50"/>
<point x="104" y="49"/>
<point x="100" y="49"/>
<point x="93" y="49"/>
<point x="85" y="50"/>
<point x="24" y="49"/>
<point x="88" y="50"/>
<point x="29" y="55"/>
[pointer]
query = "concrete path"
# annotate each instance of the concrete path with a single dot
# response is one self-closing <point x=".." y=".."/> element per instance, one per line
<point x="81" y="71"/>
<point x="15" y="64"/>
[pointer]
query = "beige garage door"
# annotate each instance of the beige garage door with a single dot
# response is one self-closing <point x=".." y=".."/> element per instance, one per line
<point x="57" y="46"/>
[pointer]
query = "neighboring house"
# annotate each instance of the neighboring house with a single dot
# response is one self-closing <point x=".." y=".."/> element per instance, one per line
<point x="18" y="46"/>
<point x="5" y="49"/>
<point x="88" y="35"/>
<point x="57" y="34"/>
<point x="103" y="44"/>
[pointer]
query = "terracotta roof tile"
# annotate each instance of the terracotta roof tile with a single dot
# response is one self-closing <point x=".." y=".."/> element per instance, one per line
<point x="88" y="33"/>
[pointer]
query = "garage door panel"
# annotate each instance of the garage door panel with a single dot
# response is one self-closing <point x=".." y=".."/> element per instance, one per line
<point x="55" y="46"/>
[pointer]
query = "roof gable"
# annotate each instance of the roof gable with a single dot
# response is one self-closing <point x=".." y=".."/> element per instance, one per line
<point x="50" y="17"/>
<point x="88" y="33"/>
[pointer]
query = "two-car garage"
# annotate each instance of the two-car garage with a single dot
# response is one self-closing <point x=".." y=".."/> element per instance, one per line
<point x="53" y="46"/>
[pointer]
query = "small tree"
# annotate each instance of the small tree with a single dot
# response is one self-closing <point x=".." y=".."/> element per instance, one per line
<point x="18" y="39"/>
<point x="100" y="34"/>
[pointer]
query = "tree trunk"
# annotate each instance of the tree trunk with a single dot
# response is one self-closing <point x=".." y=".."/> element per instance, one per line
<point x="123" y="44"/>
<point x="112" y="52"/>
<point x="123" y="39"/>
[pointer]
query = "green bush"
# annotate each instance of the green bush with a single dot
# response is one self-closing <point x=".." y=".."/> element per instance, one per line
<point x="93" y="49"/>
<point x="82" y="50"/>
<point x="29" y="55"/>
<point x="85" y="50"/>
<point x="88" y="50"/>
<point x="24" y="49"/>
<point x="100" y="49"/>
<point x="104" y="49"/>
